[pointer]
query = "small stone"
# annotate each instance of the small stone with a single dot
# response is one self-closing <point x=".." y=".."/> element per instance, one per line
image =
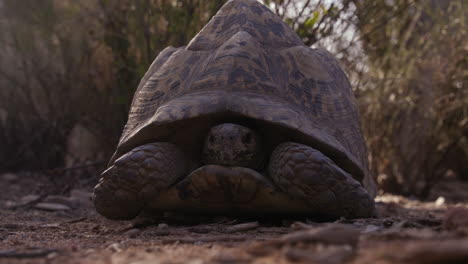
<point x="132" y="233"/>
<point x="388" y="223"/>
<point x="115" y="247"/>
<point x="440" y="201"/>
<point x="163" y="225"/>
<point x="52" y="255"/>
<point x="96" y="228"/>
<point x="10" y="204"/>
<point x="52" y="207"/>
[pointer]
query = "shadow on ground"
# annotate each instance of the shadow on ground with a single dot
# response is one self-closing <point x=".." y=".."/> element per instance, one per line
<point x="53" y="221"/>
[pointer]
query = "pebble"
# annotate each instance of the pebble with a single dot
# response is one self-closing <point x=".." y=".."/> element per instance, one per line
<point x="163" y="225"/>
<point x="133" y="233"/>
<point x="115" y="247"/>
<point x="440" y="201"/>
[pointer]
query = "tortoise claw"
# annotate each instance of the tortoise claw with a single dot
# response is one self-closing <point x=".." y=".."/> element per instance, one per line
<point x="137" y="177"/>
<point x="307" y="174"/>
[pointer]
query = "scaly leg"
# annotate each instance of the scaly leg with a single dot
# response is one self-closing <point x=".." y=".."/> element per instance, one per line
<point x="307" y="174"/>
<point x="137" y="177"/>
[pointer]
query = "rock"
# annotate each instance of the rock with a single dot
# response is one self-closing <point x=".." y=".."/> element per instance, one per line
<point x="52" y="207"/>
<point x="440" y="201"/>
<point x="10" y="204"/>
<point x="114" y="247"/>
<point x="132" y="233"/>
<point x="162" y="226"/>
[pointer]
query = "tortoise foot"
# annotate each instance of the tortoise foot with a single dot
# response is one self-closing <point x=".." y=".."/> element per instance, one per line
<point x="307" y="174"/>
<point x="137" y="177"/>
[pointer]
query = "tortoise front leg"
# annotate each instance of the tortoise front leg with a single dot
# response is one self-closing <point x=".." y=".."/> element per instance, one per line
<point x="137" y="177"/>
<point x="307" y="174"/>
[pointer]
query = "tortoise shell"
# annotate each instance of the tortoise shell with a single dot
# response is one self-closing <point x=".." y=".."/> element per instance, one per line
<point x="246" y="65"/>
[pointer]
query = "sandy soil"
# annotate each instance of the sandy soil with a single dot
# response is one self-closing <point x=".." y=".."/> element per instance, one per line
<point x="48" y="220"/>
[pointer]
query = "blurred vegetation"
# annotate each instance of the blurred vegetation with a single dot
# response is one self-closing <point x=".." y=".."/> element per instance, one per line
<point x="413" y="96"/>
<point x="66" y="64"/>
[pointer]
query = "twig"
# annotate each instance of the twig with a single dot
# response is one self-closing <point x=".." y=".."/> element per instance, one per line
<point x="29" y="203"/>
<point x="300" y="225"/>
<point x="241" y="227"/>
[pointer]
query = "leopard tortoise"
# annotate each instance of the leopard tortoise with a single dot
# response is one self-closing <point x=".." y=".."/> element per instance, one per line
<point x="245" y="119"/>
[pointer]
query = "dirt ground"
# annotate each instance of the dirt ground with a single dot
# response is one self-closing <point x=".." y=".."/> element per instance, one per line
<point x="46" y="220"/>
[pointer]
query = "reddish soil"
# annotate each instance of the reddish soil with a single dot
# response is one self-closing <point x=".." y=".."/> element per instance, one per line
<point x="407" y="231"/>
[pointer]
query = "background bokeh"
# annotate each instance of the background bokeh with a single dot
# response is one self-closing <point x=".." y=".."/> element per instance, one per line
<point x="68" y="71"/>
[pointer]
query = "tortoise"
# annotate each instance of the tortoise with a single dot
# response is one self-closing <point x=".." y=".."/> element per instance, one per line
<point x="245" y="119"/>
